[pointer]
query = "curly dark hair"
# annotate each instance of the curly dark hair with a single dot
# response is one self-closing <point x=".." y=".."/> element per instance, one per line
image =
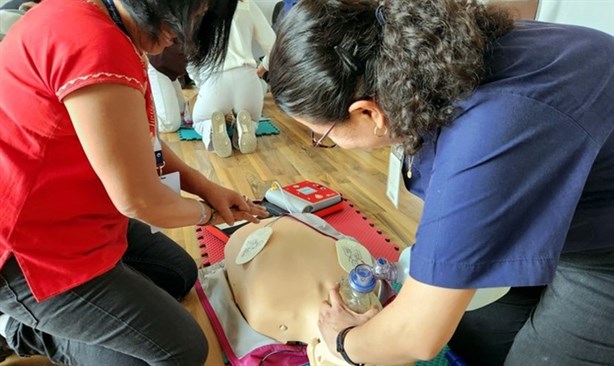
<point x="204" y="39"/>
<point x="415" y="59"/>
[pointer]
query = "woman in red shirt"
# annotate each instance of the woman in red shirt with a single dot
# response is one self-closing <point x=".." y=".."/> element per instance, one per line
<point x="77" y="159"/>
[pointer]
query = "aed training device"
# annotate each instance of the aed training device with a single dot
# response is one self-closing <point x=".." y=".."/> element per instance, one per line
<point x="303" y="197"/>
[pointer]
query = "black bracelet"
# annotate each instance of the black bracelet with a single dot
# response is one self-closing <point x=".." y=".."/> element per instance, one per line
<point x="341" y="349"/>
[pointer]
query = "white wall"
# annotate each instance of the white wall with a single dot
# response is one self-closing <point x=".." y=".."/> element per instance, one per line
<point x="598" y="14"/>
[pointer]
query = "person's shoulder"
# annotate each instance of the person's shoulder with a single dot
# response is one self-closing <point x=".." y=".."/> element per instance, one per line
<point x="569" y="30"/>
<point x="562" y="66"/>
<point x="500" y="114"/>
<point x="66" y="14"/>
<point x="562" y="39"/>
<point x="81" y="27"/>
<point x="68" y="20"/>
<point x="507" y="104"/>
<point x="83" y="19"/>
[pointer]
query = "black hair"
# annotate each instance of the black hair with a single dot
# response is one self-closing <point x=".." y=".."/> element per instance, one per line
<point x="204" y="39"/>
<point x="415" y="59"/>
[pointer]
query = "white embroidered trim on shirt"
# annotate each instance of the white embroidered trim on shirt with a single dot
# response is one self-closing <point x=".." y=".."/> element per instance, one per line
<point x="98" y="75"/>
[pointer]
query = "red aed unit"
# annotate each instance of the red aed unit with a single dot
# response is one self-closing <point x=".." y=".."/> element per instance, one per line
<point x="303" y="196"/>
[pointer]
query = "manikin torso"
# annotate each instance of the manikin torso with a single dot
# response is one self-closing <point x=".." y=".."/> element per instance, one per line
<point x="281" y="289"/>
<point x="292" y="275"/>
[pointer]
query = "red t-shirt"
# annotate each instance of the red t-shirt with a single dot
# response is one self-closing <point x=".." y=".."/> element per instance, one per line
<point x="56" y="217"/>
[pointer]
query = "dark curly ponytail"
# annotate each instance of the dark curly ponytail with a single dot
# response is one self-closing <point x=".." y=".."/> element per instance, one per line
<point x="415" y="58"/>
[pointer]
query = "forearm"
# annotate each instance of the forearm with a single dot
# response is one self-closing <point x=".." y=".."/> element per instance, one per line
<point x="165" y="208"/>
<point x="143" y="196"/>
<point x="117" y="142"/>
<point x="381" y="341"/>
<point x="414" y="327"/>
<point x="118" y="145"/>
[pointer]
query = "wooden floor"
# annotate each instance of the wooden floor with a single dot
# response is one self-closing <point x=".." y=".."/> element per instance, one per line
<point x="287" y="158"/>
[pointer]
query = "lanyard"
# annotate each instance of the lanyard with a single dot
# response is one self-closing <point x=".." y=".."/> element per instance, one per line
<point x="158" y="154"/>
<point x="115" y="15"/>
<point x="409" y="161"/>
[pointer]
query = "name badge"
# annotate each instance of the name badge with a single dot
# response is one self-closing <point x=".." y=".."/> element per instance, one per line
<point x="395" y="167"/>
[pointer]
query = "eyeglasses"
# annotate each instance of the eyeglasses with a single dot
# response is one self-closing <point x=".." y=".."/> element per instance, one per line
<point x="317" y="142"/>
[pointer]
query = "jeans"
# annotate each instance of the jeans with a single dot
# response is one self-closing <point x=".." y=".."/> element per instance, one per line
<point x="570" y="322"/>
<point x="127" y="316"/>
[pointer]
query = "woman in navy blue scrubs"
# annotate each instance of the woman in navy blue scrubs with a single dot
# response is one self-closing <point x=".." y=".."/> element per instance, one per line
<point x="507" y="128"/>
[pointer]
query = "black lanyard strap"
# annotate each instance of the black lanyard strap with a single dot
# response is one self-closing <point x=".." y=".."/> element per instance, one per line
<point x="115" y="15"/>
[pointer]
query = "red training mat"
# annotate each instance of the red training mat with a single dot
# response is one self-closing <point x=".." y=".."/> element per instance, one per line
<point x="349" y="221"/>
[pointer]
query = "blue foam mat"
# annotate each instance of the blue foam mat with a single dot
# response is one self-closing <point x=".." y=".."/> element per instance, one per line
<point x="265" y="127"/>
<point x="439" y="360"/>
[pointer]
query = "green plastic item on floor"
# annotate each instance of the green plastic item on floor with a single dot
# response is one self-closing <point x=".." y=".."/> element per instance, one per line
<point x="439" y="360"/>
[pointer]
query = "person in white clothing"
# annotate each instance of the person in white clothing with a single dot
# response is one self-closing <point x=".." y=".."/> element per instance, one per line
<point x="237" y="87"/>
<point x="168" y="99"/>
<point x="164" y="71"/>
